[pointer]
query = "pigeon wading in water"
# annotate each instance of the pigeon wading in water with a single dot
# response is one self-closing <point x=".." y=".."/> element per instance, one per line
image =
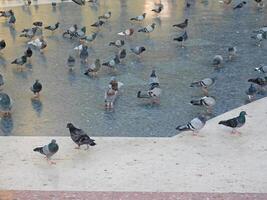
<point x="204" y="84"/>
<point x="93" y="69"/>
<point x="80" y="137"/>
<point x="235" y="122"/>
<point x="48" y="150"/>
<point x="36" y="89"/>
<point x="182" y="25"/>
<point x="206" y="101"/>
<point x="194" y="125"/>
<point x="5" y="104"/>
<point x="251" y="92"/>
<point x="139" y="18"/>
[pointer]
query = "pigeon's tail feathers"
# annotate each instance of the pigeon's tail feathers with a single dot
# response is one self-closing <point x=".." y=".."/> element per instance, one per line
<point x="195" y="84"/>
<point x="196" y="102"/>
<point x="223" y="123"/>
<point x="183" y="127"/>
<point x="38" y="149"/>
<point x="92" y="143"/>
<point x="13" y="62"/>
<point x="111" y="43"/>
<point x="133" y="19"/>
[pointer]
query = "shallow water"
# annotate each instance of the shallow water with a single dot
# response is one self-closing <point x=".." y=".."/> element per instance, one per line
<point x="73" y="97"/>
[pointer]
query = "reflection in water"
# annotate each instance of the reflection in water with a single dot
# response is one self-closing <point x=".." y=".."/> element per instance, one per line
<point x="7" y="125"/>
<point x="37" y="105"/>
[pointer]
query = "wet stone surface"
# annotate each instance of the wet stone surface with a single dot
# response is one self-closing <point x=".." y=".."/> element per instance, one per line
<point x="74" y="97"/>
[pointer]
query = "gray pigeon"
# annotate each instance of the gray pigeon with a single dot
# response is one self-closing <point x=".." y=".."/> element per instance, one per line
<point x="12" y="20"/>
<point x="29" y="33"/>
<point x="113" y="62"/>
<point x="262" y="69"/>
<point x="20" y="61"/>
<point x="206" y="101"/>
<point x="89" y="38"/>
<point x="231" y="52"/>
<point x="182" y="38"/>
<point x="36" y="89"/>
<point x="122" y="54"/>
<point x="1" y="81"/>
<point x="48" y="150"/>
<point x="71" y="62"/>
<point x="148" y="28"/>
<point x="84" y="53"/>
<point x="5" y="103"/>
<point x="217" y="61"/>
<point x="194" y="125"/>
<point x="105" y="16"/>
<point x="204" y="84"/>
<point x="251" y="92"/>
<point x="79" y="136"/>
<point x="235" y="122"/>
<point x="139" y="18"/>
<point x="52" y="27"/>
<point x="117" y="43"/>
<point x="138" y="50"/>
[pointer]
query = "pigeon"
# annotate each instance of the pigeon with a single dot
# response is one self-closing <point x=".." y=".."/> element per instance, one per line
<point x="240" y="5"/>
<point x="127" y="32"/>
<point x="12" y="20"/>
<point x="157" y="8"/>
<point x="38" y="23"/>
<point x="71" y="62"/>
<point x="89" y="38"/>
<point x="117" y="43"/>
<point x="206" y="101"/>
<point x="259" y="81"/>
<point x="52" y="27"/>
<point x="262" y="69"/>
<point x="48" y="150"/>
<point x="98" y="23"/>
<point x="39" y="43"/>
<point x="105" y="16"/>
<point x="182" y="25"/>
<point x="54" y="4"/>
<point x="29" y="33"/>
<point x="20" y="61"/>
<point x="232" y="52"/>
<point x="113" y="62"/>
<point x="139" y="18"/>
<point x="80" y="32"/>
<point x="79" y="2"/>
<point x="1" y="81"/>
<point x="5" y="103"/>
<point x="260" y="3"/>
<point x="204" y="84"/>
<point x="235" y="122"/>
<point x="251" y="92"/>
<point x="217" y="61"/>
<point x="154" y="89"/>
<point x="93" y="69"/>
<point x="36" y="89"/>
<point x="138" y="50"/>
<point x="6" y="13"/>
<point x="182" y="38"/>
<point x="80" y="137"/>
<point x="28" y="52"/>
<point x="259" y="37"/>
<point x="2" y="44"/>
<point x="148" y="28"/>
<point x="194" y="125"/>
<point x="84" y="53"/>
<point x="122" y="54"/>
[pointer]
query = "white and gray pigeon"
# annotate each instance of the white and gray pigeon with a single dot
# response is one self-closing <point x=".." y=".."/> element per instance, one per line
<point x="204" y="84"/>
<point x="29" y="33"/>
<point x="232" y="52"/>
<point x="261" y="69"/>
<point x="48" y="150"/>
<point x="106" y="16"/>
<point x="138" y="50"/>
<point x="84" y="53"/>
<point x="89" y="38"/>
<point x="259" y="37"/>
<point x="52" y="27"/>
<point x="80" y="137"/>
<point x="217" y="60"/>
<point x="117" y="43"/>
<point x="113" y="62"/>
<point x="148" y="29"/>
<point x="139" y="18"/>
<point x="194" y="125"/>
<point x="206" y="101"/>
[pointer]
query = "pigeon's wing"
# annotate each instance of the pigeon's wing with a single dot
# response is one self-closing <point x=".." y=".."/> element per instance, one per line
<point x="197" y="124"/>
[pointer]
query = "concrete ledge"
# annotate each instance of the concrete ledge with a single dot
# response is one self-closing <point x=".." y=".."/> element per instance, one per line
<point x="216" y="162"/>
<point x="40" y="195"/>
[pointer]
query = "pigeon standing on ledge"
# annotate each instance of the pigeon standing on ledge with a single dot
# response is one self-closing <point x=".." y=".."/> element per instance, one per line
<point x="80" y="137"/>
<point x="235" y="122"/>
<point x="194" y="125"/>
<point x="48" y="150"/>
